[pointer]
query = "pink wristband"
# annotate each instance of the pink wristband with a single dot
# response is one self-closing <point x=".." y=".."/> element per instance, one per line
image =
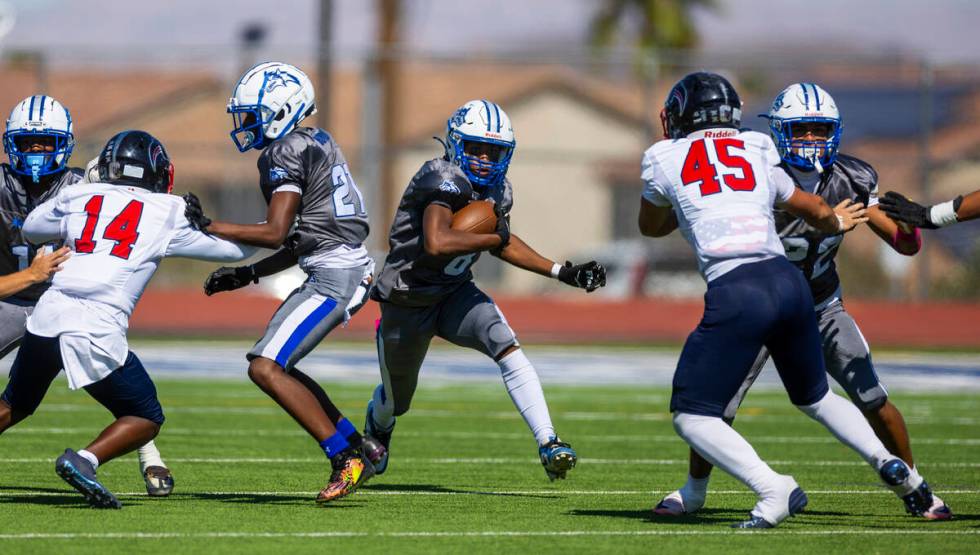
<point x="902" y="238"/>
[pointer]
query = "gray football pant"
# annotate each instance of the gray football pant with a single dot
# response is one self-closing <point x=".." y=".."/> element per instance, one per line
<point x="13" y="324"/>
<point x="846" y="355"/>
<point x="467" y="317"/>
<point x="307" y="315"/>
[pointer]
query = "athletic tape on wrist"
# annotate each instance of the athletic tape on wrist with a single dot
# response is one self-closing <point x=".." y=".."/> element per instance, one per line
<point x="943" y="214"/>
<point x="555" y="270"/>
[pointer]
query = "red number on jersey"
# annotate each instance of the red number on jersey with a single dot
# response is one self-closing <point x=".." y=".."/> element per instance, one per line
<point x="122" y="228"/>
<point x="698" y="167"/>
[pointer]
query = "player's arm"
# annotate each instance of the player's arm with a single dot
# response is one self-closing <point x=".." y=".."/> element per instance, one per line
<point x="41" y="269"/>
<point x="960" y="209"/>
<point x="840" y="219"/>
<point x="269" y="234"/>
<point x="902" y="237"/>
<point x="656" y="221"/>
<point x="440" y="239"/>
<point x="43" y="224"/>
<point x="589" y="276"/>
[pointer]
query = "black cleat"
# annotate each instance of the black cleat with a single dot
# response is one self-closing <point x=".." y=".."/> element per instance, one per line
<point x="80" y="474"/>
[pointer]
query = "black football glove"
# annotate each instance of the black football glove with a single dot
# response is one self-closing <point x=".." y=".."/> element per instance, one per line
<point x="589" y="276"/>
<point x="227" y="278"/>
<point x="904" y="210"/>
<point x="299" y="243"/>
<point x="194" y="213"/>
<point x="503" y="229"/>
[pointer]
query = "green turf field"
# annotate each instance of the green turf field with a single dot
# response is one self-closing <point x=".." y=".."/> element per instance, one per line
<point x="464" y="477"/>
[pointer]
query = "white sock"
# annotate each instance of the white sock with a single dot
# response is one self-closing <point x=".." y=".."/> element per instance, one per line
<point x="725" y="448"/>
<point x="524" y="388"/>
<point x="89" y="457"/>
<point x="383" y="413"/>
<point x="694" y="492"/>
<point x="849" y="426"/>
<point x="149" y="456"/>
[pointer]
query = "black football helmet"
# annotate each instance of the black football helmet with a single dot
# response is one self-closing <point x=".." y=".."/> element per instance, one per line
<point x="136" y="159"/>
<point x="699" y="101"/>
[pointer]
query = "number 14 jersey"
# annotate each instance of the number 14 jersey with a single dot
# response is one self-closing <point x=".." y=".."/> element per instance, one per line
<point x="722" y="185"/>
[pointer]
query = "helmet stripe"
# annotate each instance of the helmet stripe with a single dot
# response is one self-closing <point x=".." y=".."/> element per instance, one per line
<point x="489" y="117"/>
<point x="806" y="96"/>
<point x="41" y="115"/>
<point x="496" y="110"/>
<point x="30" y="110"/>
<point x="816" y="95"/>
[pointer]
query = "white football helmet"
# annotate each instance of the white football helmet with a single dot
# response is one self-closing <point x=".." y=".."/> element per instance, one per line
<point x="805" y="103"/>
<point x="268" y="102"/>
<point x="481" y="121"/>
<point x="38" y="119"/>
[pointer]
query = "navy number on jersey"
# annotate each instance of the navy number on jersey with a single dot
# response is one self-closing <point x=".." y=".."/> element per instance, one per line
<point x="347" y="199"/>
<point x="705" y="159"/>
<point x="122" y="228"/>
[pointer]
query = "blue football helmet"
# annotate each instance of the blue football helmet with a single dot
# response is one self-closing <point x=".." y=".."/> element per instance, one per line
<point x="38" y="120"/>
<point x="805" y="103"/>
<point x="268" y="102"/>
<point x="481" y="121"/>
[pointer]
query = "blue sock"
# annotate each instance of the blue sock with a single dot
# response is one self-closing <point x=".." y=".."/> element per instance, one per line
<point x="334" y="444"/>
<point x="345" y="428"/>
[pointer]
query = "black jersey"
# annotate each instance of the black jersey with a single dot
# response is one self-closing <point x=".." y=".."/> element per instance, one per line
<point x="16" y="203"/>
<point x="808" y="248"/>
<point x="411" y="277"/>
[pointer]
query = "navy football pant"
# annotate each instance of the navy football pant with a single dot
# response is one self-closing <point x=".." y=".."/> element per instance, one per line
<point x="763" y="304"/>
<point x="127" y="391"/>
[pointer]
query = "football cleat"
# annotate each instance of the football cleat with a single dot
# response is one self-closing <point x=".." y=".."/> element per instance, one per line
<point x="795" y="504"/>
<point x="918" y="499"/>
<point x="159" y="481"/>
<point x="376" y="442"/>
<point x="80" y="474"/>
<point x="557" y="457"/>
<point x="674" y="504"/>
<point x="350" y="470"/>
<point x="938" y="511"/>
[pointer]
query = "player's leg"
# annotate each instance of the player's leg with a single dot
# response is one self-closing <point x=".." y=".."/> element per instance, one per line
<point x="849" y="363"/>
<point x="402" y="339"/>
<point x="798" y="356"/>
<point x="691" y="496"/>
<point x="37" y="364"/>
<point x="715" y="360"/>
<point x="471" y="319"/>
<point x="13" y="324"/>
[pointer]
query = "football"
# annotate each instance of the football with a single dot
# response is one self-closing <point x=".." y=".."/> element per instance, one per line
<point x="476" y="217"/>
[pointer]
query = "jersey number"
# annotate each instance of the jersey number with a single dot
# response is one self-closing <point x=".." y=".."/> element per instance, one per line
<point x="122" y="228"/>
<point x="343" y="187"/>
<point x="699" y="167"/>
<point x="459" y="264"/>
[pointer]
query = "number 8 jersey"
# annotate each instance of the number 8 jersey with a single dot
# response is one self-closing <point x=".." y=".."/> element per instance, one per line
<point x="722" y="185"/>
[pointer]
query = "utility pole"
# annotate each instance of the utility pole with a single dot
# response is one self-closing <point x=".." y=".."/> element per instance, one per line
<point x="389" y="13"/>
<point x="323" y="64"/>
<point x="926" y="92"/>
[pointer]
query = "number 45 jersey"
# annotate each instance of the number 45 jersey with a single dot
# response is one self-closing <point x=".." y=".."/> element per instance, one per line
<point x="119" y="235"/>
<point x="808" y="248"/>
<point x="722" y="185"/>
<point x="411" y="277"/>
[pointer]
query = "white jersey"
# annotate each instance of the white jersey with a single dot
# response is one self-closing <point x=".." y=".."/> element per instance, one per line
<point x="119" y="235"/>
<point x="722" y="184"/>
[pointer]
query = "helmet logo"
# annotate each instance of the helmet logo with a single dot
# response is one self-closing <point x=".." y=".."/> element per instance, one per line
<point x="278" y="78"/>
<point x="680" y="95"/>
<point x="459" y="118"/>
<point x="778" y="102"/>
<point x="155" y="154"/>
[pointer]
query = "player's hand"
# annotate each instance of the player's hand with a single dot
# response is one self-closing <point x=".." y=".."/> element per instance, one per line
<point x="195" y="213"/>
<point x="589" y="276"/>
<point x="849" y="215"/>
<point x="227" y="278"/>
<point x="901" y="209"/>
<point x="502" y="229"/>
<point x="45" y="265"/>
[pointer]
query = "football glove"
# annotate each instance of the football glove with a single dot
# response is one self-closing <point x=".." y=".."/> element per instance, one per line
<point x="194" y="213"/>
<point x="902" y="209"/>
<point x="589" y="276"/>
<point x="503" y="228"/>
<point x="227" y="278"/>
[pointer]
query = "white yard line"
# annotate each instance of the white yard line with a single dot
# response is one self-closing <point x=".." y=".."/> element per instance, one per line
<point x="411" y="493"/>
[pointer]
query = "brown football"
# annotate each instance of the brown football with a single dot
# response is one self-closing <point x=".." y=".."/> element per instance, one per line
<point x="476" y="217"/>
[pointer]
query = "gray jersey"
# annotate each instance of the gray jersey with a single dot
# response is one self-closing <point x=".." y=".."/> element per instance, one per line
<point x="16" y="203"/>
<point x="411" y="277"/>
<point x="308" y="161"/>
<point x="810" y="249"/>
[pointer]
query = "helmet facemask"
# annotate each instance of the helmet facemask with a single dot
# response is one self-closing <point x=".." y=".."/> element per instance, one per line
<point x="484" y="161"/>
<point x="807" y="154"/>
<point x="249" y="125"/>
<point x="25" y="159"/>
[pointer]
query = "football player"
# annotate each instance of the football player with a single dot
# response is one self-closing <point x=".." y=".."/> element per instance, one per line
<point x="39" y="141"/>
<point x="426" y="288"/>
<point x="305" y="178"/>
<point x="960" y="209"/>
<point x="718" y="185"/>
<point x="120" y="229"/>
<point x="806" y="126"/>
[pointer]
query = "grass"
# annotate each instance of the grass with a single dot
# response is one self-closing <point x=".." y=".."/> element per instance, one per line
<point x="464" y="477"/>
